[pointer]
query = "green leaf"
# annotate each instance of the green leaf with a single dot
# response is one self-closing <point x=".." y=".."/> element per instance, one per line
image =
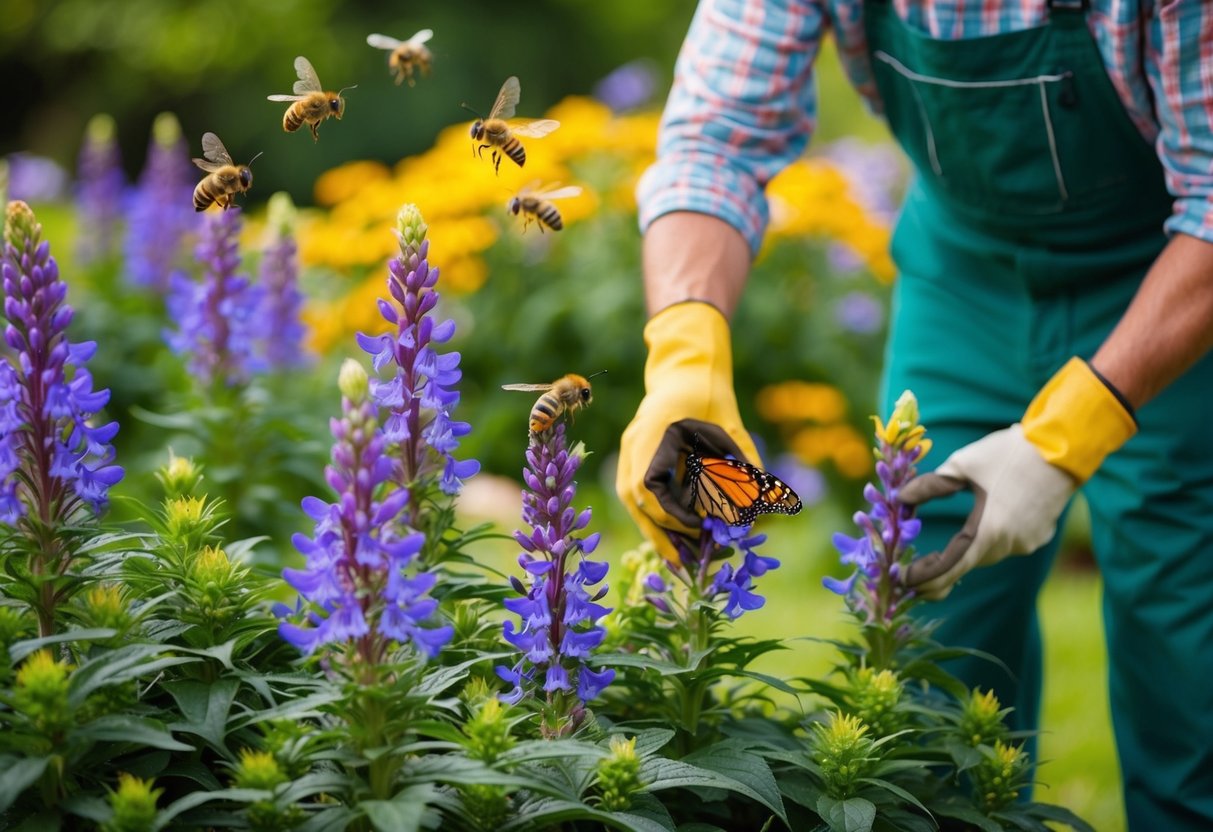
<point x="205" y="708"/>
<point x="852" y="815"/>
<point x="16" y="775"/>
<point x="117" y="666"/>
<point x="403" y="813"/>
<point x="650" y="740"/>
<point x="545" y="812"/>
<point x="221" y="653"/>
<point x="643" y="662"/>
<point x="1058" y="814"/>
<point x="967" y="814"/>
<point x="18" y="650"/>
<point x="742" y="766"/>
<point x="90" y="806"/>
<point x="129" y="729"/>
<point x="659" y="773"/>
<point x="533" y="750"/>
<point x="895" y="789"/>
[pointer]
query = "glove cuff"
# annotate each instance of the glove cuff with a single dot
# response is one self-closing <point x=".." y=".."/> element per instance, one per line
<point x="688" y="335"/>
<point x="1076" y="420"/>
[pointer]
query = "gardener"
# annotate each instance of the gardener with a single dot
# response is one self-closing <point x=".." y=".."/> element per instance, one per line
<point x="1054" y="314"/>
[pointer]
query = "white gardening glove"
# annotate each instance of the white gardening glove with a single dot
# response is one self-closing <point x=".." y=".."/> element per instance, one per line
<point x="1017" y="500"/>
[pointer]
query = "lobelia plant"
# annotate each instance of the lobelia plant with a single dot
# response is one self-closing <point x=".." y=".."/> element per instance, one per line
<point x="100" y="191"/>
<point x="281" y="340"/>
<point x="56" y="465"/>
<point x="559" y="617"/>
<point x="161" y="212"/>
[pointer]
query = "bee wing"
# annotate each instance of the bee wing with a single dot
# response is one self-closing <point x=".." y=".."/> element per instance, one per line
<point x="308" y="81"/>
<point x="528" y="188"/>
<point x="382" y="42"/>
<point x="535" y="129"/>
<point x="214" y="150"/>
<point x="208" y="166"/>
<point x="286" y="97"/>
<point x="507" y="99"/>
<point x="421" y="37"/>
<point x="560" y="193"/>
<point x="528" y="388"/>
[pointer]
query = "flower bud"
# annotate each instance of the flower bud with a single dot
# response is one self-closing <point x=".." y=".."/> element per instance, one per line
<point x="280" y="214"/>
<point x="844" y="752"/>
<point x="874" y="697"/>
<point x="257" y="770"/>
<point x="619" y="775"/>
<point x="488" y="732"/>
<point x="134" y="805"/>
<point x="411" y="230"/>
<point x="179" y="476"/>
<point x="105" y="607"/>
<point x="1000" y="776"/>
<point x="166" y="130"/>
<point x="981" y="720"/>
<point x="21" y="229"/>
<point x="353" y="381"/>
<point x="40" y="694"/>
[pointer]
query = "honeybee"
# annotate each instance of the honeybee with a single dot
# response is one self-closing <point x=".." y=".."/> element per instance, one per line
<point x="535" y="206"/>
<point x="407" y="55"/>
<point x="312" y="104"/>
<point x="494" y="132"/>
<point x="224" y="178"/>
<point x="566" y="394"/>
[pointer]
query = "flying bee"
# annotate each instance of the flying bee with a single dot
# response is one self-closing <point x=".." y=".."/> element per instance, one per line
<point x="535" y="206"/>
<point x="312" y="104"/>
<point x="494" y="132"/>
<point x="566" y="394"/>
<point x="407" y="55"/>
<point x="224" y="177"/>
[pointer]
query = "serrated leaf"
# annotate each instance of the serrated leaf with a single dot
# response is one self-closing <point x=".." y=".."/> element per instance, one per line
<point x="403" y="813"/>
<point x="745" y="767"/>
<point x="650" y="740"/>
<point x="16" y="775"/>
<point x="854" y="814"/>
<point x="130" y="729"/>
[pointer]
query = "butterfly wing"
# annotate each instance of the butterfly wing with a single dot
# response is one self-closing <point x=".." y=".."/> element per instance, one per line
<point x="735" y="491"/>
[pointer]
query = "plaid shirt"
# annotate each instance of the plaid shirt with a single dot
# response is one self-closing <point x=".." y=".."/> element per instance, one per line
<point x="743" y="103"/>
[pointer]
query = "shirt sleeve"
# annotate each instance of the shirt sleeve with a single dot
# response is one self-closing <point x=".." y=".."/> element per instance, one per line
<point x="741" y="109"/>
<point x="1179" y="64"/>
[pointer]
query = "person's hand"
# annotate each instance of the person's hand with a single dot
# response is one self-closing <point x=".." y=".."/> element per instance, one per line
<point x="688" y="376"/>
<point x="1021" y="477"/>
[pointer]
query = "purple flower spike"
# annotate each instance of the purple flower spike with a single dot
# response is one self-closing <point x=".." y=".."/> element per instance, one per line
<point x="217" y="320"/>
<point x="99" y="192"/>
<point x="422" y="393"/>
<point x="559" y="616"/>
<point x="161" y="211"/>
<point x="282" y="330"/>
<point x="47" y="400"/>
<point x="360" y="555"/>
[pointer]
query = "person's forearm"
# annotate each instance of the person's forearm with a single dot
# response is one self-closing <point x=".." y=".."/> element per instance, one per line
<point x="1167" y="328"/>
<point x="690" y="256"/>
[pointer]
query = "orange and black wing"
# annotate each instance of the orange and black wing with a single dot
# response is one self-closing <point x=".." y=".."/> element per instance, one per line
<point x="735" y="491"/>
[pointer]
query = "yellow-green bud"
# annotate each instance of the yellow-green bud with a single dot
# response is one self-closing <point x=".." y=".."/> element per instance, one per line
<point x="874" y="698"/>
<point x="257" y="770"/>
<point x="844" y="752"/>
<point x="353" y="381"/>
<point x="40" y="694"/>
<point x="134" y="805"/>
<point x="905" y="410"/>
<point x="488" y="732"/>
<point x="1000" y="776"/>
<point x="410" y="229"/>
<point x="21" y="228"/>
<point x="166" y="130"/>
<point x="105" y="606"/>
<point x="619" y="775"/>
<point x="280" y="214"/>
<point x="179" y="476"/>
<point x="981" y="720"/>
<point x="184" y="516"/>
<point x="101" y="129"/>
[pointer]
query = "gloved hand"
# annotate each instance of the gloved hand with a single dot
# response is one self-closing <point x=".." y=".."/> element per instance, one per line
<point x="1022" y="476"/>
<point x="688" y="375"/>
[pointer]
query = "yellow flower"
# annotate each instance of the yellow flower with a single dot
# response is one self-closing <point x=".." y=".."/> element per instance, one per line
<point x="346" y="181"/>
<point x="791" y="401"/>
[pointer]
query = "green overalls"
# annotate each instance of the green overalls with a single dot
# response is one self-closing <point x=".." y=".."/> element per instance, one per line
<point x="1036" y="209"/>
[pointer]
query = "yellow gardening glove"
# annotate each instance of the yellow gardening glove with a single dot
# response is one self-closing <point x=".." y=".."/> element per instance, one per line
<point x="1022" y="477"/>
<point x="688" y="376"/>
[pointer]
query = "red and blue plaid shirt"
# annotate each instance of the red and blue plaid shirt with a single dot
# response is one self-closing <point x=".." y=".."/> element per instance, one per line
<point x="743" y="104"/>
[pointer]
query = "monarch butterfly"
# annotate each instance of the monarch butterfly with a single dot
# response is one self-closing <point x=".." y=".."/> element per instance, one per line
<point x="735" y="491"/>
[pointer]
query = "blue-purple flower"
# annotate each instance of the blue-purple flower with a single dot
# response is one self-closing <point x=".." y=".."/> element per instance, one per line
<point x="421" y="394"/>
<point x="161" y="210"/>
<point x="629" y="86"/>
<point x="888" y="528"/>
<point x="281" y="299"/>
<point x="33" y="178"/>
<point x="358" y="581"/>
<point x="859" y="312"/>
<point x="559" y="612"/>
<point x="100" y="191"/>
<point x="53" y="459"/>
<point x="217" y="318"/>
<point x="734" y="584"/>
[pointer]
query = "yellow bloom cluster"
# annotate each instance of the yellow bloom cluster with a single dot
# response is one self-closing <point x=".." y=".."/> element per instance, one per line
<point x="812" y="416"/>
<point x="465" y="205"/>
